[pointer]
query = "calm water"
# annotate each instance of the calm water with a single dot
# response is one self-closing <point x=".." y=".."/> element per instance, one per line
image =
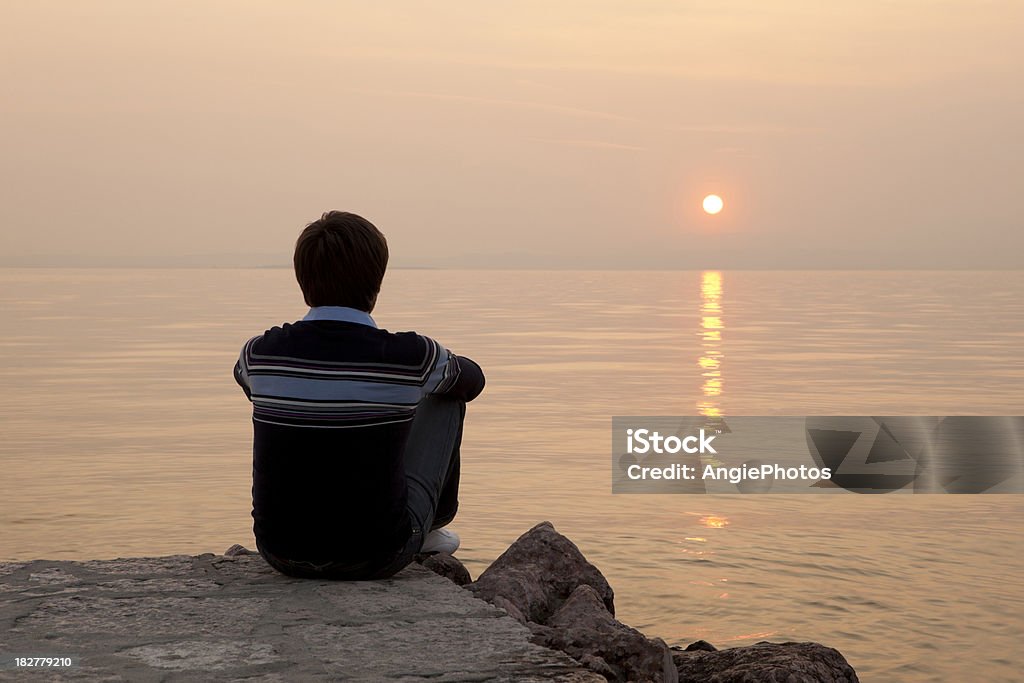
<point x="124" y="434"/>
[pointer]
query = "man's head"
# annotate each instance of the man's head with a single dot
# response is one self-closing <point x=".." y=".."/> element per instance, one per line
<point x="340" y="261"/>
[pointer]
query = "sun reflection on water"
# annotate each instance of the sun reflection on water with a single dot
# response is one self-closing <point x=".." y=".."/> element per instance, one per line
<point x="714" y="521"/>
<point x="711" y="327"/>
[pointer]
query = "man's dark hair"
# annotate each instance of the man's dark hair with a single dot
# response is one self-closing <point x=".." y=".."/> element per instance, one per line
<point x="340" y="261"/>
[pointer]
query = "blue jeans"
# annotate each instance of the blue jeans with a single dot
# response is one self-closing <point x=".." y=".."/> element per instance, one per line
<point x="432" y="469"/>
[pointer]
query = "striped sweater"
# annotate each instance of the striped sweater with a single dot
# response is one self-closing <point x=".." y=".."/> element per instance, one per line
<point x="333" y="397"/>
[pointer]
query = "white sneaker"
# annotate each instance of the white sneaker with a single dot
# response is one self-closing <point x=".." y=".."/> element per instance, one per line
<point x="440" y="541"/>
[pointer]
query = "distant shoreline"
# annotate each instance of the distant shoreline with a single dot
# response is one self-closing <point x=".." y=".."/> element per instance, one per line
<point x="689" y="269"/>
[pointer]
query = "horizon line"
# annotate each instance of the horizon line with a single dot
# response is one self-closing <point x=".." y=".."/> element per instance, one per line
<point x="533" y="268"/>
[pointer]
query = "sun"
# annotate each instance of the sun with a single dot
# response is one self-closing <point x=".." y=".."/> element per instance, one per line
<point x="713" y="204"/>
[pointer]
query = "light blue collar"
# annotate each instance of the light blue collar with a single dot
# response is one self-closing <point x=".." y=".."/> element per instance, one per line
<point x="340" y="313"/>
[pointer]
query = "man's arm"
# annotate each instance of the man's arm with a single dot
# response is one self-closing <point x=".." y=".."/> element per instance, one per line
<point x="243" y="380"/>
<point x="242" y="369"/>
<point x="454" y="376"/>
<point x="470" y="381"/>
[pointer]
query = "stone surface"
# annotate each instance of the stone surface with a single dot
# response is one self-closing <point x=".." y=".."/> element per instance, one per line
<point x="584" y="629"/>
<point x="237" y="550"/>
<point x="233" y="618"/>
<point x="447" y="566"/>
<point x="537" y="574"/>
<point x="765" y="663"/>
<point x="544" y="581"/>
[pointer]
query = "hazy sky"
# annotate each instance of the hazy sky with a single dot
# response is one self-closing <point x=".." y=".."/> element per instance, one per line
<point x="846" y="133"/>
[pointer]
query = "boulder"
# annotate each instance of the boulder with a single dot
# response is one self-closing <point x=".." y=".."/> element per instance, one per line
<point x="586" y="631"/>
<point x="765" y="663"/>
<point x="447" y="566"/>
<point x="211" y="618"/>
<point x="537" y="574"/>
<point x="238" y="550"/>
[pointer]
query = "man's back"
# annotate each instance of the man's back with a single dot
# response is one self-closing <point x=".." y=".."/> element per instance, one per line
<point x="333" y="399"/>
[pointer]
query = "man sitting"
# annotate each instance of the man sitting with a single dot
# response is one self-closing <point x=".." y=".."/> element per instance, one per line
<point x="356" y="430"/>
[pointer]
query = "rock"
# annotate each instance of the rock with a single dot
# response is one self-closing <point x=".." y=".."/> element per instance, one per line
<point x="510" y="609"/>
<point x="765" y="663"/>
<point x="585" y="630"/>
<point x="537" y="574"/>
<point x="232" y="617"/>
<point x="544" y="582"/>
<point x="447" y="566"/>
<point x="215" y="618"/>
<point x="236" y="550"/>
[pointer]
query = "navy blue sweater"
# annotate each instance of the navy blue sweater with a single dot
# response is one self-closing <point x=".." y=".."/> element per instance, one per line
<point x="332" y="405"/>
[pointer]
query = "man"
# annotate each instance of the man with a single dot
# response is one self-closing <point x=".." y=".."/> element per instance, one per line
<point x="356" y="430"/>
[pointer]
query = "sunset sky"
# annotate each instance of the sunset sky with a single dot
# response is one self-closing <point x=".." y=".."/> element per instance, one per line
<point x="532" y="134"/>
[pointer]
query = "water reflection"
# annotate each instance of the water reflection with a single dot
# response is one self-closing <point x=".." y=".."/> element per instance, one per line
<point x="710" y="333"/>
<point x="714" y="521"/>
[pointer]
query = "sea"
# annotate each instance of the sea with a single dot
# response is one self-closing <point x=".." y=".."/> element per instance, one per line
<point x="122" y="433"/>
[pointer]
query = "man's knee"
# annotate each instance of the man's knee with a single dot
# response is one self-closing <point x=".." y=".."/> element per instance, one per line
<point x="440" y="410"/>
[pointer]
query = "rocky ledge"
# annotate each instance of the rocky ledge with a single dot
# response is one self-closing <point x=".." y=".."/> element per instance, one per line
<point x="544" y="613"/>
